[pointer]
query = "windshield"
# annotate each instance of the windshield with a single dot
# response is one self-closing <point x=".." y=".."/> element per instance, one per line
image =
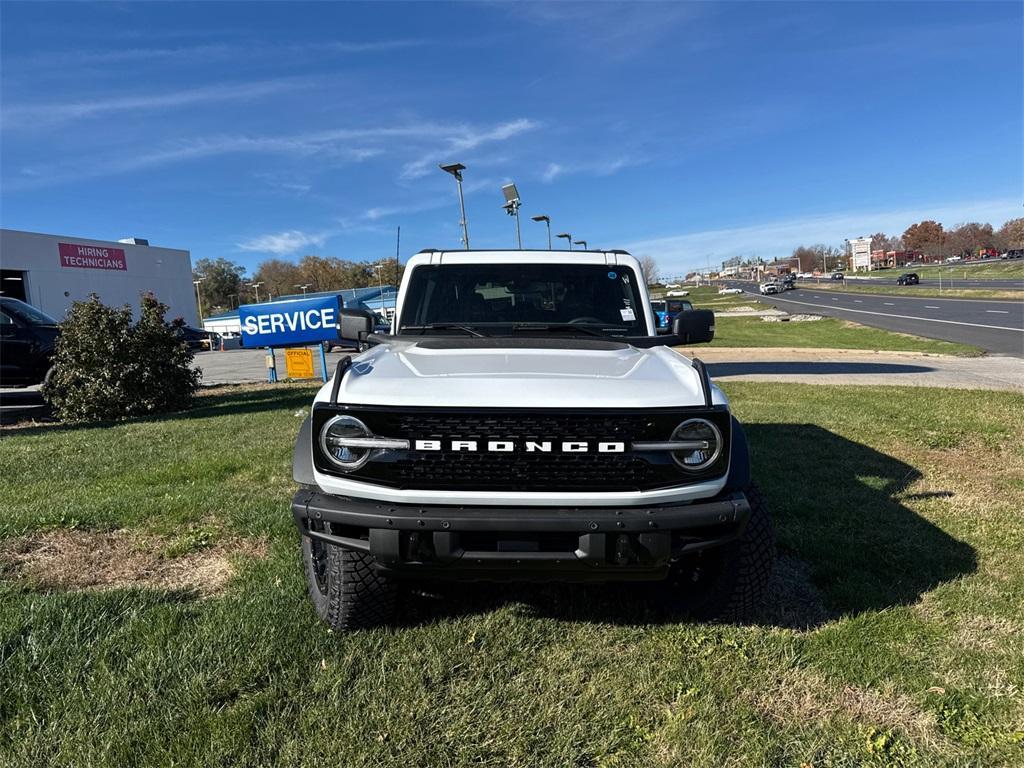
<point x="499" y="299"/>
<point x="27" y="313"/>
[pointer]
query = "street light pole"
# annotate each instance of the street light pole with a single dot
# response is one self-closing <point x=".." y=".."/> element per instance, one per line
<point x="581" y="242"/>
<point x="199" y="298"/>
<point x="546" y="220"/>
<point x="257" y="287"/>
<point x="567" y="237"/>
<point x="511" y="207"/>
<point x="456" y="169"/>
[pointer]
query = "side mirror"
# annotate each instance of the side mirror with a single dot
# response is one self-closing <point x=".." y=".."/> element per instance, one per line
<point x="694" y="327"/>
<point x="355" y="324"/>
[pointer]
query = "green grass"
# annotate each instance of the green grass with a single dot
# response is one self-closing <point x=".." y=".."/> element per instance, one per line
<point x="896" y="636"/>
<point x="947" y="292"/>
<point x="826" y="333"/>
<point x="990" y="270"/>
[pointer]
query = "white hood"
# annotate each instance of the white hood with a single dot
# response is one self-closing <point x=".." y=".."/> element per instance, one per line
<point x="408" y="374"/>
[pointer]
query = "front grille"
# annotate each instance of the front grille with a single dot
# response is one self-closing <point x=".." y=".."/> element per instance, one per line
<point x="519" y="470"/>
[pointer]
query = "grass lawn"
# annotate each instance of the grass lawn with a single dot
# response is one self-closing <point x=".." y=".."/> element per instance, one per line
<point x="895" y="635"/>
<point x="827" y="333"/>
<point x="1008" y="269"/>
<point x="864" y="286"/>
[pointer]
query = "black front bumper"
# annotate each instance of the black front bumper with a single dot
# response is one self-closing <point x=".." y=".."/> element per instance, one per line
<point x="534" y="543"/>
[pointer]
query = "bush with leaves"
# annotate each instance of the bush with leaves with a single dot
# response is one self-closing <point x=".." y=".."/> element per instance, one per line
<point x="108" y="368"/>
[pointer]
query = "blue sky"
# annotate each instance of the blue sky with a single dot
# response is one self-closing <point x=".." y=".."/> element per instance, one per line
<point x="688" y="131"/>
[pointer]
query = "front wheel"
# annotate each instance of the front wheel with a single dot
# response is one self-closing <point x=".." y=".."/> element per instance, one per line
<point x="727" y="583"/>
<point x="347" y="590"/>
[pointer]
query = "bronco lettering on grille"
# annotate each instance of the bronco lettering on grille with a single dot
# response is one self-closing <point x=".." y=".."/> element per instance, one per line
<point x="513" y="446"/>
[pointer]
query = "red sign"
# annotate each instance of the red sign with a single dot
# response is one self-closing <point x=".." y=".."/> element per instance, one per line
<point x="91" y="256"/>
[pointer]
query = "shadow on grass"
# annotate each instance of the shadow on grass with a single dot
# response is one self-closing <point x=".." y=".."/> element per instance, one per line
<point x="230" y="402"/>
<point x="847" y="543"/>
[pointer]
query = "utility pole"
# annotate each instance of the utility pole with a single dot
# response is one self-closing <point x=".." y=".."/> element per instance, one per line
<point x="199" y="298"/>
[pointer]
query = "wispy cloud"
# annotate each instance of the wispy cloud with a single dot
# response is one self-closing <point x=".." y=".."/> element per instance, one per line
<point x="342" y="144"/>
<point x="464" y="140"/>
<point x="594" y="168"/>
<point x="284" y="243"/>
<point x="51" y="113"/>
<point x="677" y="254"/>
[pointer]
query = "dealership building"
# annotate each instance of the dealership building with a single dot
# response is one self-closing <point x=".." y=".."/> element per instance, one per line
<point x="52" y="271"/>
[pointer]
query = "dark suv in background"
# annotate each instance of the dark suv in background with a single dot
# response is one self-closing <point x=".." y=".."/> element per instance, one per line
<point x="910" y="278"/>
<point x="27" y="339"/>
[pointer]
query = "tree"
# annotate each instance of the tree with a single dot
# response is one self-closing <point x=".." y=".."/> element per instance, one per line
<point x="221" y="283"/>
<point x="967" y="239"/>
<point x="278" y="277"/>
<point x="927" y="237"/>
<point x="1011" y="235"/>
<point x="649" y="267"/>
<point x="883" y="242"/>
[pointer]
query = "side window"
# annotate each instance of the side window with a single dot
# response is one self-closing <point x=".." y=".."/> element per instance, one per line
<point x="5" y="319"/>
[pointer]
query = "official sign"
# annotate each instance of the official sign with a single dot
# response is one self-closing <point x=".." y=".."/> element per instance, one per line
<point x="289" y="323"/>
<point x="91" y="256"/>
<point x="299" y="363"/>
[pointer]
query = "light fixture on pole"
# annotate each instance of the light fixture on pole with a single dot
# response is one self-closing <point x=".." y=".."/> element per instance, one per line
<point x="256" y="286"/>
<point x="199" y="298"/>
<point x="304" y="286"/>
<point x="380" y="283"/>
<point x="511" y="207"/>
<point x="568" y="237"/>
<point x="546" y="220"/>
<point x="456" y="169"/>
<point x="581" y="242"/>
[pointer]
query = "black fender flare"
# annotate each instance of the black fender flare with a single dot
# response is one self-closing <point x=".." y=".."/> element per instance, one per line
<point x="302" y="459"/>
<point x="739" y="460"/>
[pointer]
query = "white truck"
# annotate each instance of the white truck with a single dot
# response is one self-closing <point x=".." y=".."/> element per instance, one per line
<point x="524" y="419"/>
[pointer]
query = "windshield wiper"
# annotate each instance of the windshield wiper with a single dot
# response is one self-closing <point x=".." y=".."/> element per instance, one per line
<point x="443" y="327"/>
<point x="561" y="327"/>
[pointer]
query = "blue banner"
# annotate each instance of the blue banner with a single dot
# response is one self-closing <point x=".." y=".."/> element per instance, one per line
<point x="285" y="323"/>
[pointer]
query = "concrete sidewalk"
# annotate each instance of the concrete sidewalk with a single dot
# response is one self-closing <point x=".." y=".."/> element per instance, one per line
<point x="850" y="366"/>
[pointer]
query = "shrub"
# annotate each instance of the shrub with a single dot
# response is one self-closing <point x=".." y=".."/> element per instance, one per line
<point x="107" y="368"/>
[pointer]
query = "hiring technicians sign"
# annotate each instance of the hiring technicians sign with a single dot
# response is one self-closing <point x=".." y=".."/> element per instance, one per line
<point x="289" y="323"/>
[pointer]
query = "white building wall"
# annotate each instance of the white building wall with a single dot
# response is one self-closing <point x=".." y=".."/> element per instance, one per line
<point x="53" y="283"/>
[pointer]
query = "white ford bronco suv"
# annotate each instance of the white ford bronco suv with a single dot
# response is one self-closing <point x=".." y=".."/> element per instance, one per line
<point x="524" y="419"/>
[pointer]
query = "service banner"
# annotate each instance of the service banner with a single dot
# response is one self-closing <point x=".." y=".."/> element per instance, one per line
<point x="91" y="256"/>
<point x="290" y="323"/>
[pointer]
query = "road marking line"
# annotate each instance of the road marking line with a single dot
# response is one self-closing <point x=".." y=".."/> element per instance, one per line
<point x="927" y="306"/>
<point x="909" y="317"/>
<point x="888" y="304"/>
<point x="857" y="301"/>
<point x="998" y="311"/>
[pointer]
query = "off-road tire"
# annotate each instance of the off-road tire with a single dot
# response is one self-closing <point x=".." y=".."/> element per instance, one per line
<point x="727" y="583"/>
<point x="347" y="590"/>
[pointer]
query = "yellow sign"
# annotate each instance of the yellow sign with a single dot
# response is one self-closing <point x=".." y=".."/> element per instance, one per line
<point x="299" y="363"/>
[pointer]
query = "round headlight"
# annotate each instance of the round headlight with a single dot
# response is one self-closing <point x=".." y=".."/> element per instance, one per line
<point x="706" y="442"/>
<point x="332" y="442"/>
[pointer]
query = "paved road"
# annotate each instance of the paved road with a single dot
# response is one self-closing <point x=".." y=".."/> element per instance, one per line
<point x="995" y="326"/>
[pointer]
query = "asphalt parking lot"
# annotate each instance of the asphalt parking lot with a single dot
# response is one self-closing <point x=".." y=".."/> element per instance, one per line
<point x="993" y="325"/>
<point x="235" y="366"/>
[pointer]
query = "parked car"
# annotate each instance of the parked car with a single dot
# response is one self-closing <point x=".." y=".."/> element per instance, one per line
<point x="727" y="291"/>
<point x="805" y="275"/>
<point x="27" y="341"/>
<point x="199" y="339"/>
<point x="909" y="278"/>
<point x="838" y="276"/>
<point x="678" y="293"/>
<point x="770" y="287"/>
